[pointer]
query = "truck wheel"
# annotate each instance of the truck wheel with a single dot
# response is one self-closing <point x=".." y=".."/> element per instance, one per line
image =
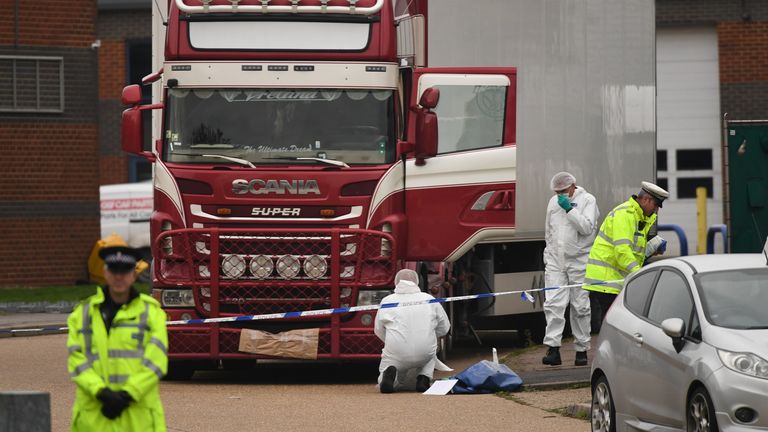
<point x="537" y="334"/>
<point x="443" y="348"/>
<point x="238" y="364"/>
<point x="179" y="371"/>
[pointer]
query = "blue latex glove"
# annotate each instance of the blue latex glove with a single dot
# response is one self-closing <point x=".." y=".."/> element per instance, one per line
<point x="564" y="202"/>
<point x="662" y="247"/>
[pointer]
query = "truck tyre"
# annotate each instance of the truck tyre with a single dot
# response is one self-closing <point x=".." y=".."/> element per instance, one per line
<point x="443" y="348"/>
<point x="537" y="334"/>
<point x="238" y="364"/>
<point x="179" y="371"/>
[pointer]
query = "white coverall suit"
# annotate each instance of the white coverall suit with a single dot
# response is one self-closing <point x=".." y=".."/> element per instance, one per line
<point x="569" y="237"/>
<point x="410" y="333"/>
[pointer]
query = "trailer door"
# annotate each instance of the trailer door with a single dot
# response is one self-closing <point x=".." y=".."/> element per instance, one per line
<point x="464" y="195"/>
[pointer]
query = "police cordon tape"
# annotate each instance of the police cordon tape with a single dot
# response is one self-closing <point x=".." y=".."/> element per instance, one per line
<point x="524" y="295"/>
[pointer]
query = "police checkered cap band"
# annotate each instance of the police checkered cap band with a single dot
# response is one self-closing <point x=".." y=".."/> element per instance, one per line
<point x="120" y="259"/>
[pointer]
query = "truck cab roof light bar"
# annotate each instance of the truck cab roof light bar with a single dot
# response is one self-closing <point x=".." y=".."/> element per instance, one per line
<point x="295" y="7"/>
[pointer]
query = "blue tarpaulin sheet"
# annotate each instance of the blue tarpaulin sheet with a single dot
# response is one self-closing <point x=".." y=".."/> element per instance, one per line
<point x="486" y="377"/>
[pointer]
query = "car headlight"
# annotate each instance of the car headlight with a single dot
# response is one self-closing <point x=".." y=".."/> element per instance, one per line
<point x="177" y="298"/>
<point x="746" y="363"/>
<point x="371" y="297"/>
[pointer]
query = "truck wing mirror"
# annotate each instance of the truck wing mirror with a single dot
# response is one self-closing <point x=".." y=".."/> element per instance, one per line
<point x="133" y="130"/>
<point x="131" y="95"/>
<point x="426" y="126"/>
<point x="429" y="98"/>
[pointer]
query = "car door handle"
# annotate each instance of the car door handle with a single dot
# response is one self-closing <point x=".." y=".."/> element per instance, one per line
<point x="638" y="338"/>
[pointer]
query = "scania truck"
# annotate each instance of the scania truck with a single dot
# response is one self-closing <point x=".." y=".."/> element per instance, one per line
<point x="306" y="150"/>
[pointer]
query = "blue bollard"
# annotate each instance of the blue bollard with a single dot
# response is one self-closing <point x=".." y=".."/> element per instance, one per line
<point x="680" y="234"/>
<point x="711" y="232"/>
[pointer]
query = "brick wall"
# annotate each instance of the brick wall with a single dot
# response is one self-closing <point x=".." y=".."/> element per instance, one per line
<point x="742" y="30"/>
<point x="49" y="183"/>
<point x="114" y="169"/>
<point x="40" y="251"/>
<point x="50" y="23"/>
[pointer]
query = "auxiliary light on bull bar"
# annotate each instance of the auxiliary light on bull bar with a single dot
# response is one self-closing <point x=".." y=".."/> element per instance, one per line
<point x="315" y="266"/>
<point x="288" y="266"/>
<point x="261" y="266"/>
<point x="233" y="266"/>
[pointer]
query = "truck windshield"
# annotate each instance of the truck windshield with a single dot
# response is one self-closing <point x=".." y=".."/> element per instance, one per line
<point x="280" y="126"/>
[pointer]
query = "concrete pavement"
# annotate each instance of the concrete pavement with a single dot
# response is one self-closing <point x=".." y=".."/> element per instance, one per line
<point x="561" y="388"/>
<point x="526" y="362"/>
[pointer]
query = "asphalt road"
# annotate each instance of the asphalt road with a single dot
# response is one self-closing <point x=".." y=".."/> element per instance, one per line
<point x="291" y="397"/>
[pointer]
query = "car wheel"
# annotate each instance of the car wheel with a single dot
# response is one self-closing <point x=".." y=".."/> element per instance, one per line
<point x="701" y="412"/>
<point x="603" y="410"/>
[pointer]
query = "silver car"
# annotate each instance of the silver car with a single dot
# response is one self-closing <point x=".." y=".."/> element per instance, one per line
<point x="685" y="347"/>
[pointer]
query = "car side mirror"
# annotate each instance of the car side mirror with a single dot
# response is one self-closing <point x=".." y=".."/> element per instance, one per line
<point x="426" y="125"/>
<point x="675" y="329"/>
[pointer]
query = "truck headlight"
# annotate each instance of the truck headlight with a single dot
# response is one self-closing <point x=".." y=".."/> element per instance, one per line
<point x="261" y="266"/>
<point x="288" y="266"/>
<point x="233" y="266"/>
<point x="371" y="297"/>
<point x="746" y="363"/>
<point x="315" y="266"/>
<point x="177" y="298"/>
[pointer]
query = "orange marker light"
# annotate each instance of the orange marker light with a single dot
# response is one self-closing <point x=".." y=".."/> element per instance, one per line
<point x="327" y="212"/>
<point x="223" y="211"/>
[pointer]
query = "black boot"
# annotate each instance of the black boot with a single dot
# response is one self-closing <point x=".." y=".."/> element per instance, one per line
<point x="581" y="358"/>
<point x="553" y="357"/>
<point x="387" y="384"/>
<point x="423" y="383"/>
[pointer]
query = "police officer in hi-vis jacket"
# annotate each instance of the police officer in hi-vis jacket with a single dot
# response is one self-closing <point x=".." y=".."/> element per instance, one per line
<point x="117" y="352"/>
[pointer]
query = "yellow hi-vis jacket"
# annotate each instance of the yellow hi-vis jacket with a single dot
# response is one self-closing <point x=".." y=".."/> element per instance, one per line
<point x="133" y="357"/>
<point x="619" y="248"/>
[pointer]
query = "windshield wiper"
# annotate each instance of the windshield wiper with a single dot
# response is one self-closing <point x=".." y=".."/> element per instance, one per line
<point x="231" y="159"/>
<point x="316" y="159"/>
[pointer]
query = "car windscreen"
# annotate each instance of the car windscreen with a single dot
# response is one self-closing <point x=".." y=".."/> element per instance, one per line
<point x="271" y="126"/>
<point x="735" y="298"/>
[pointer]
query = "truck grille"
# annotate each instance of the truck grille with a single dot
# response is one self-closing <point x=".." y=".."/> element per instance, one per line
<point x="256" y="271"/>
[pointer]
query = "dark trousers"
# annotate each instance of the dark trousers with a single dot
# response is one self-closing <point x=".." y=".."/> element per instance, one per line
<point x="599" y="302"/>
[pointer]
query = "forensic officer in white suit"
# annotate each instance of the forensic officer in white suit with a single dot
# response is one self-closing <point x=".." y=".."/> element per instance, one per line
<point x="410" y="334"/>
<point x="570" y="228"/>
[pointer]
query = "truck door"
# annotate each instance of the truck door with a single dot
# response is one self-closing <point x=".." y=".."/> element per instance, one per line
<point x="465" y="194"/>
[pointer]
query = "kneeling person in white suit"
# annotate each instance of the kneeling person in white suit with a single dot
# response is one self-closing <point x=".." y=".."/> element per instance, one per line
<point x="410" y="336"/>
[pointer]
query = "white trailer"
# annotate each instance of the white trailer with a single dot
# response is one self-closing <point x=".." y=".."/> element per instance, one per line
<point x="586" y="88"/>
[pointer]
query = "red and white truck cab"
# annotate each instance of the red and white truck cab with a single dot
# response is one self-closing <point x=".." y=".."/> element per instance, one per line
<point x="296" y="171"/>
<point x="298" y="164"/>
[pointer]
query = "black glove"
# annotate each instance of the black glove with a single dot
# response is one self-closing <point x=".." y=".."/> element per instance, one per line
<point x="113" y="403"/>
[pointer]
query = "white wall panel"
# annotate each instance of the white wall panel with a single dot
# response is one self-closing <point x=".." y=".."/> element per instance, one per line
<point x="688" y="118"/>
